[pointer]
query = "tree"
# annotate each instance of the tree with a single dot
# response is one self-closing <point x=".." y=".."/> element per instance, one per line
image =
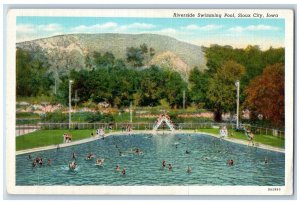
<point x="144" y="48"/>
<point x="135" y="56"/>
<point x="103" y="61"/>
<point x="33" y="78"/>
<point x="265" y="94"/>
<point x="152" y="52"/>
<point x="221" y="88"/>
<point x="198" y="85"/>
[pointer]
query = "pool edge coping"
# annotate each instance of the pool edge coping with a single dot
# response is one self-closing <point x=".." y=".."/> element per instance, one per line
<point x="90" y="139"/>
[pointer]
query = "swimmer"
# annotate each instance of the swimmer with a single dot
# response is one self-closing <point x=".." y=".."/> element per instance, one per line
<point x="189" y="170"/>
<point x="41" y="161"/>
<point x="137" y="151"/>
<point x="187" y="151"/>
<point x="49" y="162"/>
<point x="74" y="156"/>
<point x="99" y="162"/>
<point x="266" y="161"/>
<point x="124" y="171"/>
<point x="117" y="168"/>
<point x="90" y="156"/>
<point x="72" y="165"/>
<point x="230" y="162"/>
<point x="34" y="164"/>
<point x="170" y="167"/>
<point x="164" y="163"/>
<point x="29" y="156"/>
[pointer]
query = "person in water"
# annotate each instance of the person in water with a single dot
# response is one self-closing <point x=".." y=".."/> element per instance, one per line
<point x="124" y="172"/>
<point x="117" y="168"/>
<point x="90" y="156"/>
<point x="230" y="162"/>
<point x="164" y="163"/>
<point x="189" y="170"/>
<point x="170" y="167"/>
<point x="29" y="156"/>
<point x="41" y="161"/>
<point x="74" y="156"/>
<point x="99" y="161"/>
<point x="34" y="163"/>
<point x="266" y="161"/>
<point x="72" y="165"/>
<point x="49" y="162"/>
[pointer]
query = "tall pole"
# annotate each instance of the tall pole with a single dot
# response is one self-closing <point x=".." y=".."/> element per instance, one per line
<point x="130" y="112"/>
<point x="183" y="99"/>
<point x="237" y="84"/>
<point x="70" y="107"/>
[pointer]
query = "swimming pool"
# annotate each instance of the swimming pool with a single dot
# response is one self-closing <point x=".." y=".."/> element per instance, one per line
<point x="207" y="156"/>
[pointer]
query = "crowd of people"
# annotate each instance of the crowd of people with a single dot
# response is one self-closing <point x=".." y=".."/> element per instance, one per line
<point x="38" y="161"/>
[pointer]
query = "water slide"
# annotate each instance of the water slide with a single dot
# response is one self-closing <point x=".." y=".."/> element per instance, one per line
<point x="161" y="120"/>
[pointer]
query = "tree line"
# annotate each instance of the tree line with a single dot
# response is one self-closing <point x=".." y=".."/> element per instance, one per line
<point x="119" y="82"/>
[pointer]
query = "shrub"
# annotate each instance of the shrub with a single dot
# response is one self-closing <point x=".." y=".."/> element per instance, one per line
<point x="55" y="117"/>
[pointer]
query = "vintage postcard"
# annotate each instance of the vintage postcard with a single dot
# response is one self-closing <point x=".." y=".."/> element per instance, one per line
<point x="150" y="101"/>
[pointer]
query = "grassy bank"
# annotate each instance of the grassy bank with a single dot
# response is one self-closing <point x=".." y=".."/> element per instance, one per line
<point x="48" y="137"/>
<point x="259" y="138"/>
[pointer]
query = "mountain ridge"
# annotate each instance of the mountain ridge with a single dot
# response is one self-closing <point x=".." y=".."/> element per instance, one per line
<point x="66" y="52"/>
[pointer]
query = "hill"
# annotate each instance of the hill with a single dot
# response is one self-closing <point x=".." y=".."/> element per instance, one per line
<point x="66" y="52"/>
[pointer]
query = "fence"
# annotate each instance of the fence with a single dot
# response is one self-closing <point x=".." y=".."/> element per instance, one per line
<point x="23" y="129"/>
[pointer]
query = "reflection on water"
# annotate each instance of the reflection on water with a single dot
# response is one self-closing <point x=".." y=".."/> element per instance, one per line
<point x="204" y="155"/>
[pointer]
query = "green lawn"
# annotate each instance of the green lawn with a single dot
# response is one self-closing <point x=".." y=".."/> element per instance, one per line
<point x="263" y="139"/>
<point x="48" y="137"/>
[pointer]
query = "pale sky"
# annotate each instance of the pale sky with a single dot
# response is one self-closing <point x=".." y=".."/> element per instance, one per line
<point x="235" y="32"/>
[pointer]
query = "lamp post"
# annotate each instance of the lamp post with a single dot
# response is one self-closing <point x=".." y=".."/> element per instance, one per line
<point x="183" y="99"/>
<point x="70" y="105"/>
<point x="237" y="84"/>
<point x="130" y="112"/>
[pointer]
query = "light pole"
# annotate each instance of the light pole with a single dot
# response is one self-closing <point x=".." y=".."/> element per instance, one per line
<point x="70" y="105"/>
<point x="130" y="112"/>
<point x="183" y="99"/>
<point x="237" y="84"/>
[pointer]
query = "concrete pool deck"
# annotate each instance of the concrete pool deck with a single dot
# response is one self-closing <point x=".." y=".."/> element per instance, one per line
<point x="62" y="145"/>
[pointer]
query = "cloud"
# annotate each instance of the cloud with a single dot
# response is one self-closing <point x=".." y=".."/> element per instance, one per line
<point x="208" y="27"/>
<point x="138" y="26"/>
<point x="94" y="28"/>
<point x="50" y="27"/>
<point x="25" y="28"/>
<point x="29" y="31"/>
<point x="167" y="31"/>
<point x="259" y="27"/>
<point x="111" y="27"/>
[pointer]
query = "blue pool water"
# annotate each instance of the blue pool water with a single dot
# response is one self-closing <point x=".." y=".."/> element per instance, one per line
<point x="207" y="157"/>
